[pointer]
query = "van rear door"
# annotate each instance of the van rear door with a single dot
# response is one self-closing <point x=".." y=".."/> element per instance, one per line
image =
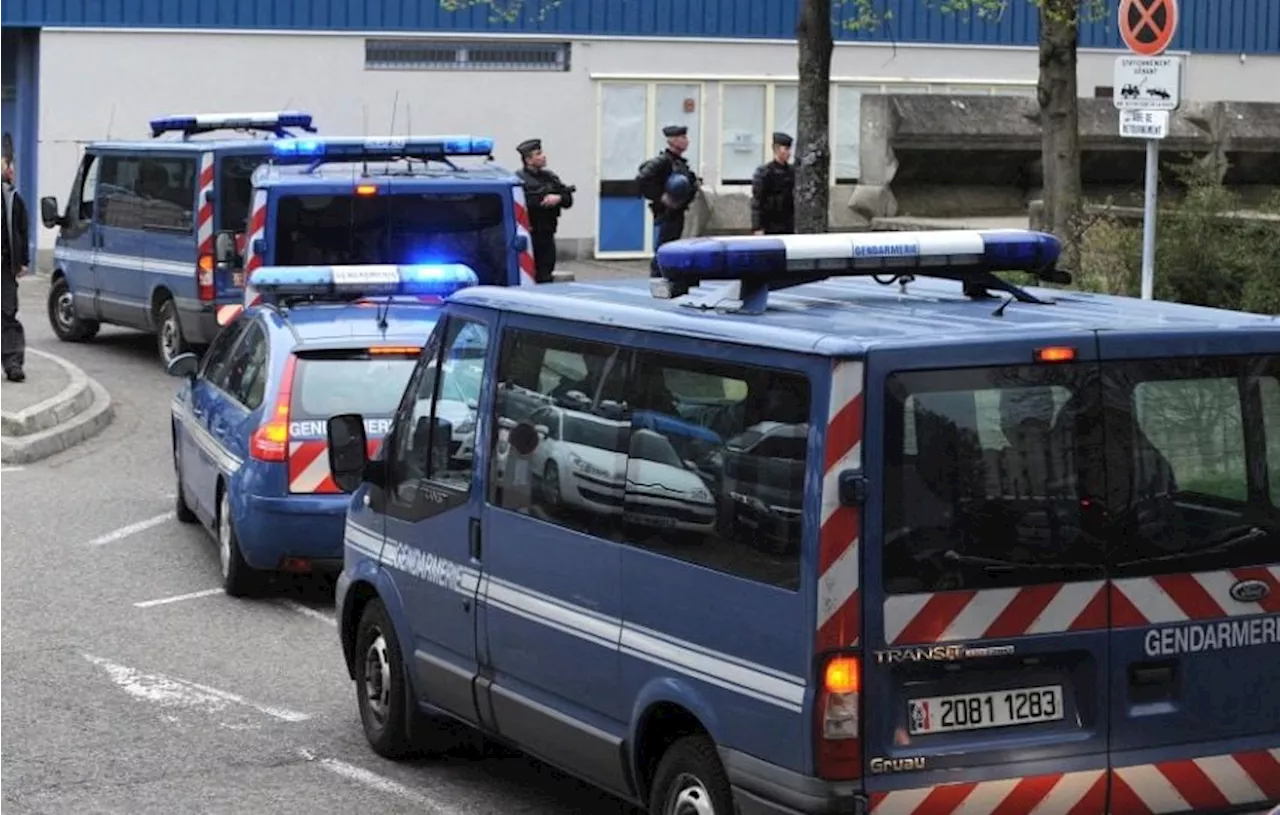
<point x="985" y="676"/>
<point x="1193" y="497"/>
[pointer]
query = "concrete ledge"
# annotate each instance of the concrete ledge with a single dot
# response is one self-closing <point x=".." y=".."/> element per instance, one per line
<point x="80" y="412"/>
<point x="75" y="398"/>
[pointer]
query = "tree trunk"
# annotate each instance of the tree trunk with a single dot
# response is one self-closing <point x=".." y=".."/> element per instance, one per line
<point x="1060" y="125"/>
<point x="813" y="116"/>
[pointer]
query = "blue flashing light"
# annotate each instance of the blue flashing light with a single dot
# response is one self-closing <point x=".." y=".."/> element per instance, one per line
<point x="733" y="258"/>
<point x="392" y="147"/>
<point x="274" y="122"/>
<point x="436" y="280"/>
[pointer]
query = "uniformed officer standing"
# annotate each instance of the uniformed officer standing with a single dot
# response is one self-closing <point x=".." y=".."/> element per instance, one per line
<point x="773" y="192"/>
<point x="670" y="187"/>
<point x="546" y="196"/>
<point x="14" y="260"/>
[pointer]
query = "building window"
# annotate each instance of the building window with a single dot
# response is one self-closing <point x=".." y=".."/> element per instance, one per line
<point x="436" y="55"/>
<point x="749" y="115"/>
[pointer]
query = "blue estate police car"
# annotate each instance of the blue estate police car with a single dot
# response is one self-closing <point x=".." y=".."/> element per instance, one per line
<point x="934" y="551"/>
<point x="249" y="447"/>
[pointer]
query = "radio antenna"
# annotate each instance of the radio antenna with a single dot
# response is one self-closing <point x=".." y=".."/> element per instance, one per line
<point x="364" y="115"/>
<point x="111" y="120"/>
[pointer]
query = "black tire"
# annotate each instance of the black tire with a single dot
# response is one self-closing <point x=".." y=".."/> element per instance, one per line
<point x="382" y="698"/>
<point x="550" y="488"/>
<point x="239" y="579"/>
<point x="62" y="317"/>
<point x="690" y="771"/>
<point x="169" y="339"/>
<point x="180" y="508"/>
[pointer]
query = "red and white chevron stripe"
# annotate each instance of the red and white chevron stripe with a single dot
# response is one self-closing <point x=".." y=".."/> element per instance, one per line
<point x="204" y="214"/>
<point x="1197" y="785"/>
<point x="995" y="613"/>
<point x="1175" y="598"/>
<point x="256" y="229"/>
<point x="1079" y="793"/>
<point x="528" y="272"/>
<point x="839" y="623"/>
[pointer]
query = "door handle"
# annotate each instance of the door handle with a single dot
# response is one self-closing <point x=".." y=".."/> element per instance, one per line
<point x="473" y="538"/>
<point x="1146" y="675"/>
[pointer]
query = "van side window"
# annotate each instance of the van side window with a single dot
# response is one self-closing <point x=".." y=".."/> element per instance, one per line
<point x="119" y="202"/>
<point x="716" y="465"/>
<point x="985" y="478"/>
<point x="169" y="186"/>
<point x="80" y="207"/>
<point x="433" y="443"/>
<point x="561" y="436"/>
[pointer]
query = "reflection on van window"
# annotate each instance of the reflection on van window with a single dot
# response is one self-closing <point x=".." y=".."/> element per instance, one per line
<point x="685" y="457"/>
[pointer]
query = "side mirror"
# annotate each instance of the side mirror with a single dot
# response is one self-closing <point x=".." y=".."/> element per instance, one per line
<point x="543" y="430"/>
<point x="348" y="450"/>
<point x="441" y="444"/>
<point x="224" y="248"/>
<point x="183" y="365"/>
<point x="49" y="214"/>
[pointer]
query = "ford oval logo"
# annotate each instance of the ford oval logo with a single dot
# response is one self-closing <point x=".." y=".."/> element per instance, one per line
<point x="1250" y="591"/>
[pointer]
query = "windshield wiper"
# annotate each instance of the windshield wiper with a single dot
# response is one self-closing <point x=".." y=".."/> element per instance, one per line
<point x="996" y="564"/>
<point x="1234" y="537"/>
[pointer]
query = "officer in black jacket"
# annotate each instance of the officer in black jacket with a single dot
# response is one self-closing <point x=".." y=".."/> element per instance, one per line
<point x="16" y="261"/>
<point x="773" y="192"/>
<point x="546" y="196"/>
<point x="670" y="187"/>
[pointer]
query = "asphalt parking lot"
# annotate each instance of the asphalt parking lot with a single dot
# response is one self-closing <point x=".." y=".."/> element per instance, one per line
<point x="131" y="684"/>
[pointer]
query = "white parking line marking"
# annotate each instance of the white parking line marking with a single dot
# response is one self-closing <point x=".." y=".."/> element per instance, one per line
<point x="378" y="782"/>
<point x="132" y="529"/>
<point x="308" y="611"/>
<point x="168" y="691"/>
<point x="12" y="469"/>
<point x="177" y="598"/>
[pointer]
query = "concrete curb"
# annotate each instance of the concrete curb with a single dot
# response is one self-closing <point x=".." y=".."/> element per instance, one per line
<point x="80" y="412"/>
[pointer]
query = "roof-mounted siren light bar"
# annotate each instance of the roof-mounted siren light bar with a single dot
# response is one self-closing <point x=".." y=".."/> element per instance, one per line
<point x="190" y="124"/>
<point x="425" y="281"/>
<point x="763" y="263"/>
<point x="307" y="151"/>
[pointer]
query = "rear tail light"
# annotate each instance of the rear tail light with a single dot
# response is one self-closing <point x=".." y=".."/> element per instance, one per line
<point x="204" y="278"/>
<point x="839" y="748"/>
<point x="270" y="442"/>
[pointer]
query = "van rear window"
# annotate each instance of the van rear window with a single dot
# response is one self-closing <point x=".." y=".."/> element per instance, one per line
<point x="235" y="190"/>
<point x="1015" y="476"/>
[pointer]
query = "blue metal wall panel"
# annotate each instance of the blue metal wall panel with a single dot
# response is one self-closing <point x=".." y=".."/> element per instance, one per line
<point x="1231" y="26"/>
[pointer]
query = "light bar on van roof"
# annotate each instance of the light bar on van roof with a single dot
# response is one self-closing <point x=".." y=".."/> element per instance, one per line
<point x="769" y="262"/>
<point x="426" y="280"/>
<point x="192" y="123"/>
<point x="306" y="151"/>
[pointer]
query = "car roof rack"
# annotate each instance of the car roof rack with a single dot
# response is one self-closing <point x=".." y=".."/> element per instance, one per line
<point x="755" y="265"/>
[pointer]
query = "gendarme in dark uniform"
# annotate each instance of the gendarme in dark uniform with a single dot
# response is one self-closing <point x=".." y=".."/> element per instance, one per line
<point x="670" y="187"/>
<point x="546" y="196"/>
<point x="773" y="192"/>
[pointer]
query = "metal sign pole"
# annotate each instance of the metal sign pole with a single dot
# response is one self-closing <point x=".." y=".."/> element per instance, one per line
<point x="1152" y="185"/>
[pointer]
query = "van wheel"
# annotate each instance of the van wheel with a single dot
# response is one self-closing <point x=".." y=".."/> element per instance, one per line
<point x="380" y="684"/>
<point x="691" y="781"/>
<point x="62" y="315"/>
<point x="239" y="579"/>
<point x="169" y="338"/>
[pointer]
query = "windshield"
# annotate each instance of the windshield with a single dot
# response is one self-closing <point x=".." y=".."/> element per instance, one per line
<point x="403" y="228"/>
<point x="323" y="388"/>
<point x="609" y="436"/>
<point x="650" y="446"/>
<point x="1007" y="476"/>
<point x="235" y="190"/>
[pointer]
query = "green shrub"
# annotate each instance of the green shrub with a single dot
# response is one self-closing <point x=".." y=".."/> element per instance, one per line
<point x="1202" y="258"/>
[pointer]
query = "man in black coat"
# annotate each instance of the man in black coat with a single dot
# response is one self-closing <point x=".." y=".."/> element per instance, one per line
<point x="773" y="192"/>
<point x="16" y="259"/>
<point x="546" y="196"/>
<point x="670" y="187"/>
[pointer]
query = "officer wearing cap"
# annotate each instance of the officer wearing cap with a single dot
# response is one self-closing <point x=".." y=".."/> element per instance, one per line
<point x="670" y="187"/>
<point x="546" y="196"/>
<point x="773" y="192"/>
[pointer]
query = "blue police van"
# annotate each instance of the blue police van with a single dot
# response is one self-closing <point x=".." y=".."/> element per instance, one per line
<point x="383" y="200"/>
<point x="248" y="424"/>
<point x="992" y="549"/>
<point x="136" y="241"/>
